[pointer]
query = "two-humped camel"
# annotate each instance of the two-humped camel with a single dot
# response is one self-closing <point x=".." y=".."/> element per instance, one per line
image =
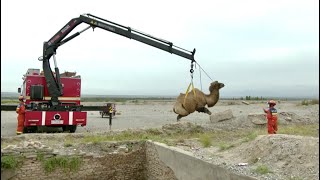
<point x="185" y="106"/>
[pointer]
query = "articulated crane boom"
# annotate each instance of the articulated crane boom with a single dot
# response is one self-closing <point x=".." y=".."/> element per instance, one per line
<point x="53" y="99"/>
<point x="50" y="47"/>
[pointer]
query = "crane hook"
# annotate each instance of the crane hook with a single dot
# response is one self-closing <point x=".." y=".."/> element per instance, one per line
<point x="191" y="70"/>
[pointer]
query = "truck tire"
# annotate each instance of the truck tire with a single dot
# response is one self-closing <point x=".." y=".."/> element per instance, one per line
<point x="72" y="129"/>
<point x="25" y="130"/>
<point x="32" y="129"/>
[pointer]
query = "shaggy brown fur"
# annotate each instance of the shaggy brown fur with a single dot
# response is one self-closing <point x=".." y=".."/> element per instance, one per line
<point x="198" y="102"/>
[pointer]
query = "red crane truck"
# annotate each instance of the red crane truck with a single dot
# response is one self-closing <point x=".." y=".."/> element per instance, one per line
<point x="54" y="101"/>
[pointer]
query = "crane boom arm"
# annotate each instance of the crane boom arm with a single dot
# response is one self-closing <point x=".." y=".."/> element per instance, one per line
<point x="50" y="47"/>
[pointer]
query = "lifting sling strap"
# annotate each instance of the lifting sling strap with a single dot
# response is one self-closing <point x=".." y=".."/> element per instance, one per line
<point x="191" y="84"/>
<point x="187" y="92"/>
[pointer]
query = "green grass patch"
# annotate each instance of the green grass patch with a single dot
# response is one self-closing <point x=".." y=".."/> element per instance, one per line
<point x="217" y="138"/>
<point x="299" y="129"/>
<point x="68" y="142"/>
<point x="149" y="134"/>
<point x="123" y="136"/>
<point x="262" y="169"/>
<point x="205" y="140"/>
<point x="153" y="131"/>
<point x="40" y="156"/>
<point x="250" y="136"/>
<point x="9" y="162"/>
<point x="224" y="146"/>
<point x="9" y="101"/>
<point x="254" y="160"/>
<point x="306" y="102"/>
<point x="94" y="139"/>
<point x="66" y="163"/>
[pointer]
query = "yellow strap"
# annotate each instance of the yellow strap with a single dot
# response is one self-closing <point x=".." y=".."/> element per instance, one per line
<point x="194" y="92"/>
<point x="187" y="92"/>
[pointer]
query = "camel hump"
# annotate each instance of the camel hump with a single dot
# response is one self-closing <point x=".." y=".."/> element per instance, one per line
<point x="181" y="95"/>
<point x="195" y="90"/>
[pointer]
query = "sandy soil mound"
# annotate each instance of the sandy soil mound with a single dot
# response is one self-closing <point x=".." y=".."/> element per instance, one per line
<point x="181" y="127"/>
<point x="283" y="154"/>
<point x="251" y="120"/>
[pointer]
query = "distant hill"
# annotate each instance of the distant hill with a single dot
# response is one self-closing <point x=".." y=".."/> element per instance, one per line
<point x="9" y="94"/>
<point x="6" y="95"/>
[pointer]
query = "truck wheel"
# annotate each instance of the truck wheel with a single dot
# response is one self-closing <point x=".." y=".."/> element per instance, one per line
<point x="72" y="129"/>
<point x="25" y="130"/>
<point x="33" y="129"/>
<point x="64" y="128"/>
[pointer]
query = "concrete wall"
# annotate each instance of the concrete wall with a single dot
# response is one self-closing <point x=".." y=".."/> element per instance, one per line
<point x="156" y="169"/>
<point x="130" y="166"/>
<point x="187" y="167"/>
<point x="120" y="165"/>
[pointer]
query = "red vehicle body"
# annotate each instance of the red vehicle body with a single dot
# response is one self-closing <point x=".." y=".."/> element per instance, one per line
<point x="37" y="96"/>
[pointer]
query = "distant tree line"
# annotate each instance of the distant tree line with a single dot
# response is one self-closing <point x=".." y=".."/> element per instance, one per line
<point x="256" y="98"/>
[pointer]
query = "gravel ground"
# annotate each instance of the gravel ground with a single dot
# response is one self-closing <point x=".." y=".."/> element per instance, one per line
<point x="154" y="114"/>
<point x="287" y="157"/>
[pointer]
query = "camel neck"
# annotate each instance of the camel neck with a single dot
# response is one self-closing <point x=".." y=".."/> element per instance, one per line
<point x="212" y="98"/>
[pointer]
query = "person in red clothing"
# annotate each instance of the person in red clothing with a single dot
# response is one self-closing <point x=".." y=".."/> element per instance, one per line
<point x="21" y="112"/>
<point x="272" y="117"/>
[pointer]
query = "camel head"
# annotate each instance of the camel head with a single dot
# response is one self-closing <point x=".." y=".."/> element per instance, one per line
<point x="215" y="86"/>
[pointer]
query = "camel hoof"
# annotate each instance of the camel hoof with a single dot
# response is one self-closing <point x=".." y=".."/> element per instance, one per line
<point x="178" y="118"/>
<point x="209" y="113"/>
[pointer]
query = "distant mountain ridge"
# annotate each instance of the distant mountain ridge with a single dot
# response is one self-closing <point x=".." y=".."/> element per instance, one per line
<point x="5" y="95"/>
<point x="13" y="95"/>
<point x="9" y="94"/>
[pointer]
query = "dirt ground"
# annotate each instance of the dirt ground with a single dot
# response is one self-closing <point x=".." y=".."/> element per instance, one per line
<point x="154" y="114"/>
<point x="286" y="156"/>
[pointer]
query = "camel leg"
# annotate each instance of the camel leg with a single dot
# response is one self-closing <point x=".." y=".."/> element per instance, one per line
<point x="179" y="117"/>
<point x="204" y="110"/>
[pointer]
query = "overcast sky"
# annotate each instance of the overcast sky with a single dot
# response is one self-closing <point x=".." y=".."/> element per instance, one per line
<point x="256" y="48"/>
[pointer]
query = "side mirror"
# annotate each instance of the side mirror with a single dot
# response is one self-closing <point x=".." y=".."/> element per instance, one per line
<point x="19" y="90"/>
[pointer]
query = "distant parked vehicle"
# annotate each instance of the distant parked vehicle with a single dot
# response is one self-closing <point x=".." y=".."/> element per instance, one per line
<point x="107" y="109"/>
